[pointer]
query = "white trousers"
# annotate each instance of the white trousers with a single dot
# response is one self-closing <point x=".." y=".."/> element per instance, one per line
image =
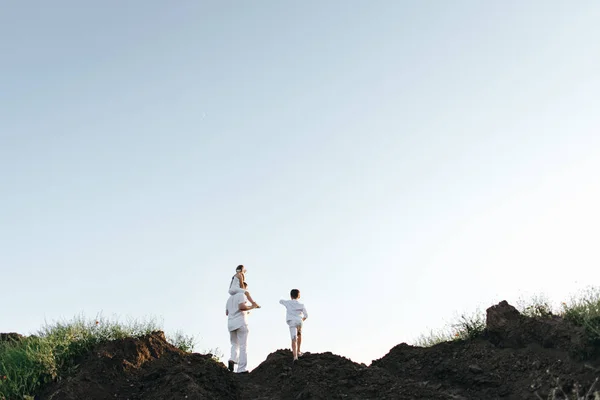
<point x="239" y="342"/>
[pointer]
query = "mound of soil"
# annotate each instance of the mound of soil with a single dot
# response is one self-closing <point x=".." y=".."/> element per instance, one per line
<point x="517" y="357"/>
<point x="506" y="327"/>
<point x="145" y="368"/>
<point x="327" y="376"/>
<point x="479" y="370"/>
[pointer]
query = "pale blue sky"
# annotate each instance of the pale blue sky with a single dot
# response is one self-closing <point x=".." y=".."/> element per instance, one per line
<point x="399" y="162"/>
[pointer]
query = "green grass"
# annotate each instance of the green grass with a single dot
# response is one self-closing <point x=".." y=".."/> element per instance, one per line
<point x="538" y="306"/>
<point x="434" y="337"/>
<point x="50" y="354"/>
<point x="467" y="326"/>
<point x="182" y="342"/>
<point x="584" y="310"/>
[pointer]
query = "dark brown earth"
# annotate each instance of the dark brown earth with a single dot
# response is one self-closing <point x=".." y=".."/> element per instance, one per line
<point x="517" y="357"/>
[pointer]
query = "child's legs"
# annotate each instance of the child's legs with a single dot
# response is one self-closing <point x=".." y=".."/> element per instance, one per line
<point x="294" y="349"/>
<point x="299" y="339"/>
<point x="236" y="290"/>
<point x="294" y="336"/>
<point x="250" y="299"/>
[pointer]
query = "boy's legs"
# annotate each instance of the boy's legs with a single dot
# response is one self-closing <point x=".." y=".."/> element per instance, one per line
<point x="294" y="336"/>
<point x="294" y="349"/>
<point x="299" y="340"/>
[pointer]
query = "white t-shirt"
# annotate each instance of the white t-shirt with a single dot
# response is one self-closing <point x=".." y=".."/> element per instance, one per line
<point x="236" y="318"/>
<point x="295" y="310"/>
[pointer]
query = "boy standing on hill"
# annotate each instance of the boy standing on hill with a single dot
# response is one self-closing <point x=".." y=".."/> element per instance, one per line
<point x="295" y="316"/>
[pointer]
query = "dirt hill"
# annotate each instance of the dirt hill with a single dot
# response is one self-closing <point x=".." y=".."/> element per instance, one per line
<point x="517" y="357"/>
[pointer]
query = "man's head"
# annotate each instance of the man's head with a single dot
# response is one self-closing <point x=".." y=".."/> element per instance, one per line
<point x="240" y="268"/>
<point x="295" y="294"/>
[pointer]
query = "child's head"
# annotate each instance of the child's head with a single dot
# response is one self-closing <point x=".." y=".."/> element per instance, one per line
<point x="240" y="268"/>
<point x="295" y="294"/>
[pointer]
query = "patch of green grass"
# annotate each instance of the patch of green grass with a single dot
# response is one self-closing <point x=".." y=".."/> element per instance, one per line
<point x="584" y="310"/>
<point x="216" y="354"/>
<point x="25" y="366"/>
<point x="182" y="341"/>
<point x="538" y="306"/>
<point x="50" y="354"/>
<point x="434" y="337"/>
<point x="467" y="326"/>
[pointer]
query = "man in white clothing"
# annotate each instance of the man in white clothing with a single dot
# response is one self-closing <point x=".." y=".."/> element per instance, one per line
<point x="295" y="316"/>
<point x="236" y="310"/>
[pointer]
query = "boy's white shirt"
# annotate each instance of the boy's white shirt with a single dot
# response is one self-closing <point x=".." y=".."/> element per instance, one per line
<point x="295" y="310"/>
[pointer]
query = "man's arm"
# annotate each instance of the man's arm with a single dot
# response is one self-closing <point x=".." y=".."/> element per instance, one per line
<point x="305" y="313"/>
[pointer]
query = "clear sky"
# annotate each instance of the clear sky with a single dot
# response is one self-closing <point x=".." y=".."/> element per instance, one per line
<point x="398" y="162"/>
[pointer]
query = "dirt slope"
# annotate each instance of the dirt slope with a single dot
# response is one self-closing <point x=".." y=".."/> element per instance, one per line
<point x="147" y="368"/>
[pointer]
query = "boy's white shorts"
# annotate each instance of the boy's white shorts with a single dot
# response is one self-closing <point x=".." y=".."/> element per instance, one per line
<point x="295" y="328"/>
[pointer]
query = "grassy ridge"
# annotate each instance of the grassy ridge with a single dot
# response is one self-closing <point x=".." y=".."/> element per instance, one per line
<point x="28" y="364"/>
<point x="582" y="310"/>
